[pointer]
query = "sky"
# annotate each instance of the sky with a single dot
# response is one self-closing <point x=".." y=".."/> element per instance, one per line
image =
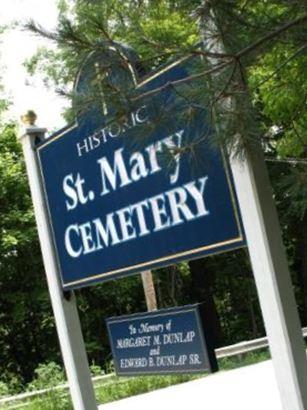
<point x="16" y="45"/>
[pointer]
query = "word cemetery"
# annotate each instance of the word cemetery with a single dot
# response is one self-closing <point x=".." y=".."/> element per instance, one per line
<point x="159" y="212"/>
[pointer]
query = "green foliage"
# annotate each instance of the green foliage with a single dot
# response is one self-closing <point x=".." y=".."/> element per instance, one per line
<point x="96" y="370"/>
<point x="105" y="300"/>
<point x="239" y="320"/>
<point x="295" y="185"/>
<point x="4" y="389"/>
<point x="246" y="359"/>
<point x="164" y="30"/>
<point x="23" y="292"/>
<point x="157" y="30"/>
<point x="47" y="375"/>
<point x="116" y="388"/>
<point x="280" y="84"/>
<point x="13" y="192"/>
<point x="172" y="285"/>
<point x="126" y="387"/>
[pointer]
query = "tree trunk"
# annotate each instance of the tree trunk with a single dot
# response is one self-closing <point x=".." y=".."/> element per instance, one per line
<point x="149" y="290"/>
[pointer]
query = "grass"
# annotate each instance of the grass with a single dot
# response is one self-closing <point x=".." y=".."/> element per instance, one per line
<point x="229" y="363"/>
<point x="116" y="388"/>
<point x="126" y="387"/>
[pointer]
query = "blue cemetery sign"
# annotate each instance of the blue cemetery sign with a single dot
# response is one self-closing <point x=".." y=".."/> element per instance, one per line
<point x="126" y="195"/>
<point x="165" y="341"/>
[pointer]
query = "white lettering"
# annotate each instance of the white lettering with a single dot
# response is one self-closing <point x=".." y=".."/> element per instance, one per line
<point x="126" y="225"/>
<point x="82" y="147"/>
<point x="162" y="211"/>
<point x="138" y="207"/>
<point x="138" y="167"/>
<point x="141" y="115"/>
<point x="198" y="195"/>
<point x="70" y="192"/>
<point x="87" y="239"/>
<point x="152" y="153"/>
<point x="104" y="233"/>
<point x="175" y="146"/>
<point x="177" y="199"/>
<point x="159" y="211"/>
<point x="109" y="174"/>
<point x="70" y="250"/>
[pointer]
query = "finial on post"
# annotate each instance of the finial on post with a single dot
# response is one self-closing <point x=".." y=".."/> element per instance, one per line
<point x="30" y="128"/>
<point x="29" y="118"/>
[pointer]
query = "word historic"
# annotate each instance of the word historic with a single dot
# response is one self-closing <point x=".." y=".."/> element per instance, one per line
<point x="113" y="130"/>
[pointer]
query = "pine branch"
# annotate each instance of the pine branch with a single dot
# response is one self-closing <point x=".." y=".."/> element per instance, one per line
<point x="185" y="80"/>
<point x="37" y="29"/>
<point x="271" y="35"/>
<point x="232" y="58"/>
<point x="281" y="66"/>
<point x="66" y="35"/>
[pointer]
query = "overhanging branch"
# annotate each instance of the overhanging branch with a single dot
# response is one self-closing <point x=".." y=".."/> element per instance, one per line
<point x="231" y="59"/>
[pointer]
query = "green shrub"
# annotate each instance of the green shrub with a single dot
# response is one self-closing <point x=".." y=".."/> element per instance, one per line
<point x="4" y="389"/>
<point x="96" y="370"/>
<point x="47" y="375"/>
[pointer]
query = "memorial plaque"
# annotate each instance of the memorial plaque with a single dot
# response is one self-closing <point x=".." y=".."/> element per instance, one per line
<point x="161" y="342"/>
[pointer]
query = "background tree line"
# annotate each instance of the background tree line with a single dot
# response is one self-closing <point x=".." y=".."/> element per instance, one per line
<point x="160" y="31"/>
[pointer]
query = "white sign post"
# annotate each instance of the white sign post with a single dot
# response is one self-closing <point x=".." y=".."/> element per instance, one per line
<point x="272" y="278"/>
<point x="268" y="257"/>
<point x="65" y="309"/>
